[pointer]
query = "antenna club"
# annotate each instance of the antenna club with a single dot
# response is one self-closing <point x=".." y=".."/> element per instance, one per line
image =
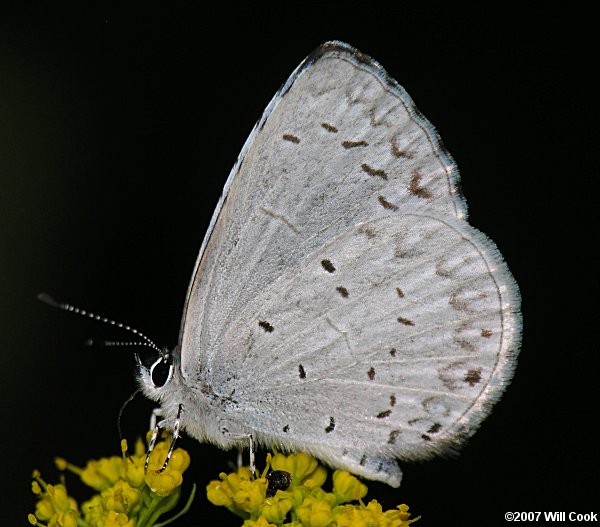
<point x="47" y="299"/>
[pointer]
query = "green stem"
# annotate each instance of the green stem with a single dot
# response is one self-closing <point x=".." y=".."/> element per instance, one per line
<point x="182" y="511"/>
<point x="143" y="520"/>
<point x="166" y="505"/>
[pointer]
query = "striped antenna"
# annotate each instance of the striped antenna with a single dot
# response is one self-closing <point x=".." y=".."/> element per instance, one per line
<point x="47" y="299"/>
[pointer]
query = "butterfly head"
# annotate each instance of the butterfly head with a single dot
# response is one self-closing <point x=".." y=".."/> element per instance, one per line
<point x="156" y="369"/>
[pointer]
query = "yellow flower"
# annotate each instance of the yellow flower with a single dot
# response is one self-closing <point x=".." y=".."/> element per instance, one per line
<point x="315" y="513"/>
<point x="250" y="495"/>
<point x="350" y="516"/>
<point x="373" y="511"/>
<point x="61" y="463"/>
<point x="93" y="510"/>
<point x="44" y="509"/>
<point x="164" y="482"/>
<point x="300" y="465"/>
<point x="120" y="497"/>
<point x="116" y="519"/>
<point x="400" y="517"/>
<point x="54" y="499"/>
<point x="133" y="471"/>
<point x="139" y="448"/>
<point x="316" y="478"/>
<point x="64" y="519"/>
<point x="219" y="493"/>
<point x="305" y="503"/>
<point x="261" y="522"/>
<point x="127" y="496"/>
<point x="158" y="456"/>
<point x="180" y="460"/>
<point x="372" y="514"/>
<point x="347" y="487"/>
<point x="276" y="507"/>
<point x="102" y="473"/>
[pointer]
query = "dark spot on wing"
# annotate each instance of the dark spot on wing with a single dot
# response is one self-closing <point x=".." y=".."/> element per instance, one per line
<point x="286" y="428"/>
<point x="465" y="344"/>
<point x="329" y="127"/>
<point x="266" y="326"/>
<point x="486" y="333"/>
<point x="448" y="374"/>
<point x="354" y="144"/>
<point x="435" y="428"/>
<point x="328" y="266"/>
<point x="374" y="171"/>
<point x="368" y="231"/>
<point x="392" y="400"/>
<point x="372" y="120"/>
<point x="399" y="253"/>
<point x="416" y="189"/>
<point x="342" y="291"/>
<point x="400" y="292"/>
<point x="393" y="352"/>
<point x="291" y="138"/>
<point x="473" y="376"/>
<point x="331" y="426"/>
<point x="371" y="373"/>
<point x="396" y="152"/>
<point x="386" y="204"/>
<point x="302" y="372"/>
<point x="382" y="415"/>
<point x="457" y="303"/>
<point x="425" y="437"/>
<point x="393" y="436"/>
<point x="440" y="271"/>
<point x="362" y="461"/>
<point x="405" y="321"/>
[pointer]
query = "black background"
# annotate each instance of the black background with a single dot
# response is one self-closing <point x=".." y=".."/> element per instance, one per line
<point x="118" y="127"/>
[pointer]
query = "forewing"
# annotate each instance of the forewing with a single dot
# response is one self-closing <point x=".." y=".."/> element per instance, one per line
<point x="341" y="143"/>
<point x="393" y="339"/>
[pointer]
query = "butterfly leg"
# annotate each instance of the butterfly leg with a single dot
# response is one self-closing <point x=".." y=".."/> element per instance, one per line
<point x="250" y="439"/>
<point x="165" y="423"/>
<point x="156" y="413"/>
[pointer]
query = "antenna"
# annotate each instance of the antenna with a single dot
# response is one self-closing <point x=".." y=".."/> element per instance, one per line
<point x="47" y="299"/>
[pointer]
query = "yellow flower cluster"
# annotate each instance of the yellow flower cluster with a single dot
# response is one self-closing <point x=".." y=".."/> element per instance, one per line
<point x="304" y="503"/>
<point x="127" y="495"/>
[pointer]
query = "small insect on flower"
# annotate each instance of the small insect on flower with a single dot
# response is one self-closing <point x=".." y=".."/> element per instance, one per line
<point x="277" y="480"/>
<point x="126" y="494"/>
<point x="290" y="490"/>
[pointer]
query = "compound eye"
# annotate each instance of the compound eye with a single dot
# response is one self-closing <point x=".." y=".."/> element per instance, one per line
<point x="160" y="372"/>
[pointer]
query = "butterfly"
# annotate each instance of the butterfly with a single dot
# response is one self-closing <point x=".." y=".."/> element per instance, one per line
<point x="341" y="305"/>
